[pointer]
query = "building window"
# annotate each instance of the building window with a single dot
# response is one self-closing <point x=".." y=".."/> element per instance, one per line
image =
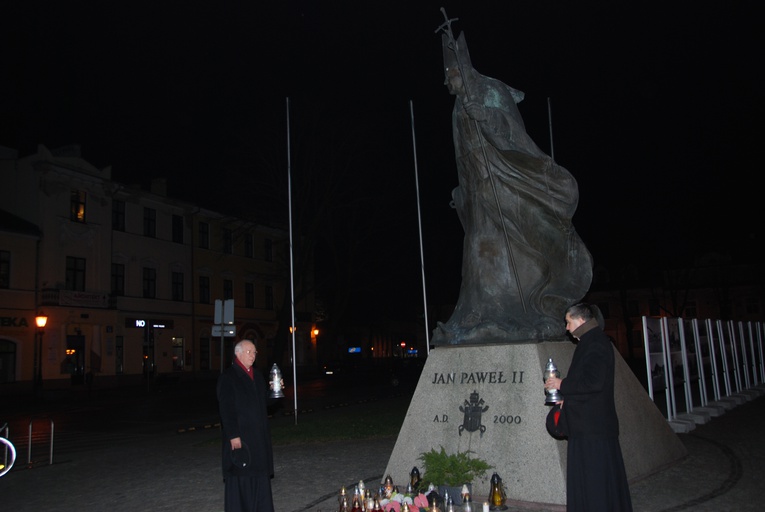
<point x="249" y="247"/>
<point x="178" y="229"/>
<point x="269" y="297"/>
<point x="149" y="283"/>
<point x="150" y="222"/>
<point x="118" y="279"/>
<point x="75" y="274"/>
<point x="118" y="215"/>
<point x="228" y="289"/>
<point x="177" y="286"/>
<point x="77" y="206"/>
<point x="268" y="249"/>
<point x="249" y="295"/>
<point x="5" y="269"/>
<point x="204" y="289"/>
<point x="204" y="235"/>
<point x="228" y="241"/>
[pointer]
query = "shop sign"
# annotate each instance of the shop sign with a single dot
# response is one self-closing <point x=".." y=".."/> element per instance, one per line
<point x="13" y="321"/>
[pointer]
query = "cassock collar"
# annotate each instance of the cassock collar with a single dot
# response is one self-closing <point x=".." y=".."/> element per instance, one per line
<point x="584" y="328"/>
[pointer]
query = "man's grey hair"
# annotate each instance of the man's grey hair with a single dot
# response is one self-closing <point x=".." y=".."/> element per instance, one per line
<point x="238" y="347"/>
<point x="580" y="310"/>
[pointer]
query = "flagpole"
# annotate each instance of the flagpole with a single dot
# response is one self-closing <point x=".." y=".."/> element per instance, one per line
<point x="549" y="122"/>
<point x="292" y="268"/>
<point x="419" y="224"/>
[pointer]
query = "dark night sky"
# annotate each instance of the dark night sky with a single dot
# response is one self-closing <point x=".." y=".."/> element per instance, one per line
<point x="656" y="106"/>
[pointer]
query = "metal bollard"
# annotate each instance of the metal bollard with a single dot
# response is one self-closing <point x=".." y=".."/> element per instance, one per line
<point x="29" y="444"/>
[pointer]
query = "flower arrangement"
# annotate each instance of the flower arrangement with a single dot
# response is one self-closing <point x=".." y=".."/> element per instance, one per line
<point x="441" y="469"/>
<point x="452" y="469"/>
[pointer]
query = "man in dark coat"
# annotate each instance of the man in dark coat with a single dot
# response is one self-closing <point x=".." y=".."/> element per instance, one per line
<point x="597" y="481"/>
<point x="248" y="464"/>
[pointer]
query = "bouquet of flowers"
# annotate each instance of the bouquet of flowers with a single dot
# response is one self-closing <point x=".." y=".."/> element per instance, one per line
<point x="399" y="501"/>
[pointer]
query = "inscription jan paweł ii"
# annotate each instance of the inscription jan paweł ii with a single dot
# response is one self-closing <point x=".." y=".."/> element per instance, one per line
<point x="493" y="377"/>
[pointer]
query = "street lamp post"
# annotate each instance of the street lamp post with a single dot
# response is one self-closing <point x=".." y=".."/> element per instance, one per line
<point x="40" y="321"/>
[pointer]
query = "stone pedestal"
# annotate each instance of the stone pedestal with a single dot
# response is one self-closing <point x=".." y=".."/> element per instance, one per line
<point x="489" y="399"/>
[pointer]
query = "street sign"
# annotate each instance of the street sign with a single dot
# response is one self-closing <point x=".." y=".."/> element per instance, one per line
<point x="224" y="311"/>
<point x="223" y="330"/>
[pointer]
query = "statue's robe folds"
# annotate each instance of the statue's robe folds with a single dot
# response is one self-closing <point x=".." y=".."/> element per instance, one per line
<point x="523" y="262"/>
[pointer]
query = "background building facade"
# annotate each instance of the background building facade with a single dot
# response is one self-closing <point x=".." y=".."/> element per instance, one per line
<point x="128" y="278"/>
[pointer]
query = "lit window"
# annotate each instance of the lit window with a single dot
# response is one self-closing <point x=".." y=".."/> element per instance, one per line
<point x="77" y="206"/>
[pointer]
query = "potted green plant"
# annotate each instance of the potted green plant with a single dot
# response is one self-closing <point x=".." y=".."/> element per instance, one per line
<point x="450" y="471"/>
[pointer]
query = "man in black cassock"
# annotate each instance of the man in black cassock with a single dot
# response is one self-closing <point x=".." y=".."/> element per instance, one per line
<point x="248" y="464"/>
<point x="597" y="481"/>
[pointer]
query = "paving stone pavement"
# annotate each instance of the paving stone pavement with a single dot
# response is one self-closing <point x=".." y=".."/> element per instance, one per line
<point x="168" y="470"/>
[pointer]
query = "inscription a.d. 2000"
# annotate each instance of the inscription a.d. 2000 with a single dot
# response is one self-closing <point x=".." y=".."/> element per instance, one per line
<point x="498" y="419"/>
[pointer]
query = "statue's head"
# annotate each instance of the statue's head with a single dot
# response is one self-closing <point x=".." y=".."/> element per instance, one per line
<point x="454" y="82"/>
<point x="457" y="65"/>
<point x="458" y="69"/>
